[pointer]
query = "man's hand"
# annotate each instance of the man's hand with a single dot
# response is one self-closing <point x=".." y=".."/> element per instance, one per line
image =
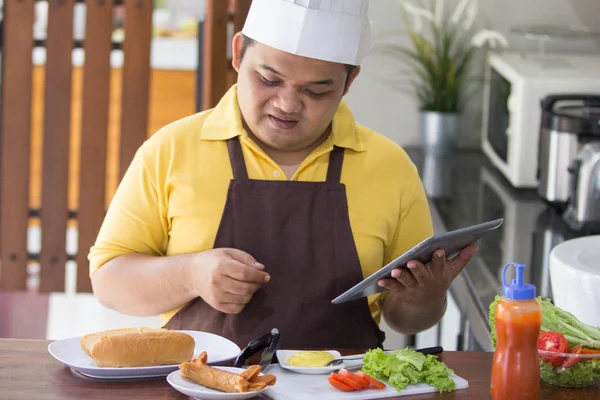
<point x="419" y="291"/>
<point x="227" y="278"/>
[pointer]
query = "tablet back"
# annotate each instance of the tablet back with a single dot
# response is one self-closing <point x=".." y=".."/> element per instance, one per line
<point x="451" y="242"/>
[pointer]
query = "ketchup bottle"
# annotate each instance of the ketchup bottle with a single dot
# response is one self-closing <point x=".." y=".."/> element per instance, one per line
<point x="516" y="369"/>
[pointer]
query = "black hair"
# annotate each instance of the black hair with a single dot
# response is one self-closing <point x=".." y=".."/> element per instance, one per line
<point x="247" y="42"/>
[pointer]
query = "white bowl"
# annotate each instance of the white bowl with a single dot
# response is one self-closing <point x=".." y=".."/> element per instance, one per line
<point x="283" y="355"/>
<point x="575" y="278"/>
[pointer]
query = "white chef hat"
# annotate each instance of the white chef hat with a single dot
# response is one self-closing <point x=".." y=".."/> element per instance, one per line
<point x="330" y="30"/>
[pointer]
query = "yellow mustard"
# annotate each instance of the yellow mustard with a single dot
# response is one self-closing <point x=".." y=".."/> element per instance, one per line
<point x="310" y="359"/>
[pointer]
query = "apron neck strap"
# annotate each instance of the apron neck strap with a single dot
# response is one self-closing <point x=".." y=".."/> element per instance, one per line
<point x="236" y="157"/>
<point x="238" y="165"/>
<point x="334" y="171"/>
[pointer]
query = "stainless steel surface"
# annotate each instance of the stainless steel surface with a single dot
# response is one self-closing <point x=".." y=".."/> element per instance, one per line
<point x="557" y="152"/>
<point x="439" y="132"/>
<point x="568" y="122"/>
<point x="437" y="175"/>
<point x="530" y="231"/>
<point x="267" y="354"/>
<point x="583" y="211"/>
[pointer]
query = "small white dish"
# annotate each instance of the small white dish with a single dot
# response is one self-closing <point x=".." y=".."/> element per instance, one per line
<point x="70" y="353"/>
<point x="283" y="355"/>
<point x="192" y="389"/>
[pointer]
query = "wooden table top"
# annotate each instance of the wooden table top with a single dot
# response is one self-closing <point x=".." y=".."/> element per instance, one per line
<point x="28" y="371"/>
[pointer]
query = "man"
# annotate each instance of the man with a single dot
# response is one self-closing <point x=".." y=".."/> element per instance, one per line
<point x="256" y="214"/>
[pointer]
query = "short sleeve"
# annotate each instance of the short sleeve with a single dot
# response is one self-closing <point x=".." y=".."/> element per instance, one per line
<point x="136" y="218"/>
<point x="415" y="223"/>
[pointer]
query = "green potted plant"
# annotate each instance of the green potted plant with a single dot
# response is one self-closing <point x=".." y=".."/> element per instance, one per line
<point x="441" y="58"/>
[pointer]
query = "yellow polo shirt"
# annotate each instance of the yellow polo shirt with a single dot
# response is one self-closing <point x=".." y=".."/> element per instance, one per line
<point x="171" y="199"/>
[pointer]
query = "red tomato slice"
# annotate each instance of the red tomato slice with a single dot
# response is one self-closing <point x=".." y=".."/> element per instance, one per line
<point x="347" y="381"/>
<point x="570" y="361"/>
<point x="339" y="385"/>
<point x="553" y="342"/>
<point x="372" y="381"/>
<point x="350" y="375"/>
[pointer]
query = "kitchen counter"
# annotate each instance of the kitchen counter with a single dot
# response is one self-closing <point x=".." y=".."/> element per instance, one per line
<point x="466" y="189"/>
<point x="28" y="371"/>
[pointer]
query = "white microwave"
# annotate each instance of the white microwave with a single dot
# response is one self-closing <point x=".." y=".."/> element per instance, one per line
<point x="515" y="84"/>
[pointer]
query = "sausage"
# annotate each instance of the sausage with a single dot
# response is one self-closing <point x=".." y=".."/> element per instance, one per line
<point x="213" y="378"/>
<point x="200" y="372"/>
<point x="267" y="379"/>
<point x="250" y="373"/>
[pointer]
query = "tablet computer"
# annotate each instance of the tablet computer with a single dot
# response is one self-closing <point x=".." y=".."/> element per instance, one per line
<point x="451" y="242"/>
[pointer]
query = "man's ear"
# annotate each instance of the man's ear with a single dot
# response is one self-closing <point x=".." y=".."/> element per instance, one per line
<point x="236" y="51"/>
<point x="351" y="77"/>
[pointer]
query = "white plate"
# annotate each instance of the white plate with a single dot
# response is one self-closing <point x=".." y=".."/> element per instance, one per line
<point x="283" y="355"/>
<point x="70" y="353"/>
<point x="292" y="386"/>
<point x="192" y="389"/>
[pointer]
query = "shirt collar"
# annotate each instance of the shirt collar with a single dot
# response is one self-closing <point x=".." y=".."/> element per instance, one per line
<point x="225" y="122"/>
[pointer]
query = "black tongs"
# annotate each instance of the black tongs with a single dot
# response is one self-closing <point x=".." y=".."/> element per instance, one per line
<point x="269" y="343"/>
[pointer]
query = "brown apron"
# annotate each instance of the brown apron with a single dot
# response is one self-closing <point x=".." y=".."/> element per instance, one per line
<point x="301" y="232"/>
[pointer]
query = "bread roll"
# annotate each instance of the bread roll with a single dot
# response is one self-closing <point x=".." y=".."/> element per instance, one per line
<point x="132" y="347"/>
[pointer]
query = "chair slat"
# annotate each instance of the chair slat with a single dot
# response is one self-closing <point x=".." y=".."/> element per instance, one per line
<point x="94" y="132"/>
<point x="57" y="115"/>
<point x="17" y="72"/>
<point x="241" y="12"/>
<point x="215" y="62"/>
<point x="136" y="79"/>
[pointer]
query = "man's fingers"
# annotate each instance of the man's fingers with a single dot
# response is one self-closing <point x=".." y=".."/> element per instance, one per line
<point x="230" y="308"/>
<point x="235" y="299"/>
<point x="438" y="262"/>
<point x="241" y="288"/>
<point x="244" y="258"/>
<point x="391" y="285"/>
<point x="404" y="276"/>
<point x="420" y="272"/>
<point x="244" y="273"/>
<point x="457" y="265"/>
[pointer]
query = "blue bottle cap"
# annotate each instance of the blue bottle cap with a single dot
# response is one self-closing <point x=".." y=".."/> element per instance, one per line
<point x="517" y="290"/>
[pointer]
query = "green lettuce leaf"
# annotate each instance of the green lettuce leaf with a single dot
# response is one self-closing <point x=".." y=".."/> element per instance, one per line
<point x="438" y="375"/>
<point x="557" y="320"/>
<point x="584" y="373"/>
<point x="405" y="367"/>
<point x="575" y="331"/>
<point x="492" y="319"/>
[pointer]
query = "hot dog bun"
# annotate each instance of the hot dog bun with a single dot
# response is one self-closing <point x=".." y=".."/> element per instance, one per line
<point x="133" y="347"/>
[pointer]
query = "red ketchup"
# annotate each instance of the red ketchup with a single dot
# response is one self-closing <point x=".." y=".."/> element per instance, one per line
<point x="516" y="369"/>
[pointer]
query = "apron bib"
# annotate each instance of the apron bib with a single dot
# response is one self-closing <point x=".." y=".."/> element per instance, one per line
<point x="301" y="232"/>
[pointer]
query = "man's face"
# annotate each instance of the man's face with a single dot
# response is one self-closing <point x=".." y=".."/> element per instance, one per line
<point x="287" y="101"/>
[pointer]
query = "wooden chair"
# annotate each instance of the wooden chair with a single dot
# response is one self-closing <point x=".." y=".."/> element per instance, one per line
<point x="61" y="118"/>
<point x="73" y="123"/>
<point x="216" y="74"/>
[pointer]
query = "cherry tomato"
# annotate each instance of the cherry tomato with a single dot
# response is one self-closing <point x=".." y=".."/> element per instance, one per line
<point x="375" y="384"/>
<point x="339" y="385"/>
<point x="570" y="361"/>
<point x="350" y="375"/>
<point x="553" y="342"/>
